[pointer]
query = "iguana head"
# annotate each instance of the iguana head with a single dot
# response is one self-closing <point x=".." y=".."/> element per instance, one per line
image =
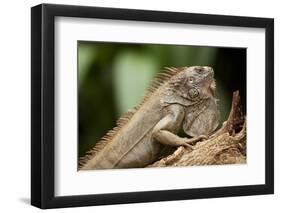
<point x="190" y="85"/>
<point x="200" y="82"/>
<point x="194" y="88"/>
<point x="196" y="82"/>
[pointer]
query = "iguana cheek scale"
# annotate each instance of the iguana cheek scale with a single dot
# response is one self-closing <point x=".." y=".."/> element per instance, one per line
<point x="178" y="98"/>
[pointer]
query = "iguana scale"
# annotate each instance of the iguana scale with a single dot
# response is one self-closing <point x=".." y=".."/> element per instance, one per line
<point x="178" y="98"/>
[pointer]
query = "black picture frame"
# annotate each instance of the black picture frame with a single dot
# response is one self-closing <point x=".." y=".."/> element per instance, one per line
<point x="43" y="102"/>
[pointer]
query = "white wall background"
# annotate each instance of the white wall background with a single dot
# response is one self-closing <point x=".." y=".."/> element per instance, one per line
<point x="15" y="105"/>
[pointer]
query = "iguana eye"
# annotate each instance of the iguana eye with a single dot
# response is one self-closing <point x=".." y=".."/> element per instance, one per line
<point x="190" y="80"/>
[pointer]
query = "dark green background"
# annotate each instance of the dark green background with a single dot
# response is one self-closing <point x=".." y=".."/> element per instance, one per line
<point x="113" y="78"/>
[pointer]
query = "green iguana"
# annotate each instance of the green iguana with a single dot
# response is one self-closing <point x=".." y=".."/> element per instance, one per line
<point x="178" y="98"/>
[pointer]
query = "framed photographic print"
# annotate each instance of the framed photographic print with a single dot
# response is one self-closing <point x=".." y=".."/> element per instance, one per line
<point x="139" y="106"/>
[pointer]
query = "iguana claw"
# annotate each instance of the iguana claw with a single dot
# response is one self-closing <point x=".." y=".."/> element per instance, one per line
<point x="189" y="146"/>
<point x="203" y="137"/>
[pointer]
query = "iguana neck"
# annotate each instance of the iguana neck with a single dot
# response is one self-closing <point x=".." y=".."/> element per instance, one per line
<point x="192" y="113"/>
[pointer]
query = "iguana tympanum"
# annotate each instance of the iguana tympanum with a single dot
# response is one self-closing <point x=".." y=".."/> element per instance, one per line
<point x="178" y="98"/>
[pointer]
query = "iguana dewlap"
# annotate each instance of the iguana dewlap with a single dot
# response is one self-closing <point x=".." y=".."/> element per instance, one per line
<point x="179" y="98"/>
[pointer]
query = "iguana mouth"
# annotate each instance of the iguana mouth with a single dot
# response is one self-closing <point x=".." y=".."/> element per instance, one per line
<point x="211" y="81"/>
<point x="213" y="87"/>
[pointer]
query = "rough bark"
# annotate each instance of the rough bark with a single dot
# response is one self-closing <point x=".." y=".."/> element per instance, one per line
<point x="226" y="146"/>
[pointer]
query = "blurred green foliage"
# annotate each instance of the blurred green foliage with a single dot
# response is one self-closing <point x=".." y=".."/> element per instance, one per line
<point x="113" y="78"/>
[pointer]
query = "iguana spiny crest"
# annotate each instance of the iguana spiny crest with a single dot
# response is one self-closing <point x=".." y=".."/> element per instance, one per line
<point x="178" y="98"/>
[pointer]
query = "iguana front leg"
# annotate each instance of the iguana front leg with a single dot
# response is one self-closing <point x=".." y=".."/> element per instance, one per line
<point x="164" y="130"/>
